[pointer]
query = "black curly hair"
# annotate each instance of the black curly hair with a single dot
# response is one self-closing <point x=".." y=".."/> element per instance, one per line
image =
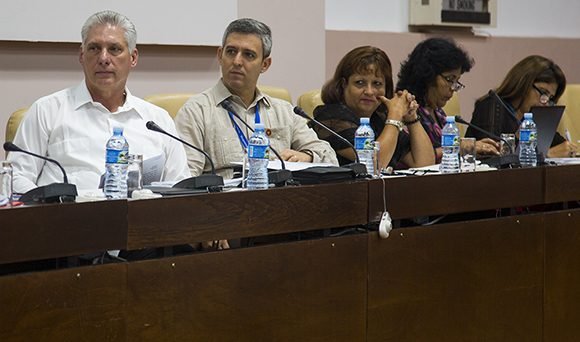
<point x="429" y="59"/>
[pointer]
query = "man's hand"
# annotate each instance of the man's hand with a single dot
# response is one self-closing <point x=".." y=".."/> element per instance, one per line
<point x="295" y="156"/>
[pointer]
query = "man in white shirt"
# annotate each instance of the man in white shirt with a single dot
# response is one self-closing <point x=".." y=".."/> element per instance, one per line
<point x="73" y="125"/>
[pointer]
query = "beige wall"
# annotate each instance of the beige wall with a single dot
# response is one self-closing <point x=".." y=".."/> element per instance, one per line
<point x="304" y="55"/>
<point x="30" y="70"/>
<point x="493" y="56"/>
<point x="298" y="34"/>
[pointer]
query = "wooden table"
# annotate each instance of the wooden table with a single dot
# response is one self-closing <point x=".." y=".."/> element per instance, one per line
<point x="510" y="278"/>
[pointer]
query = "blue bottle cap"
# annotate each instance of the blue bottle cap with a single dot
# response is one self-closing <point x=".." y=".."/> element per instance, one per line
<point x="365" y="121"/>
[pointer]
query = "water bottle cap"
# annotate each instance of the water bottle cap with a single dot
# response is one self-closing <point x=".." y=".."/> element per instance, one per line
<point x="450" y="119"/>
<point x="117" y="130"/>
<point x="528" y="116"/>
<point x="259" y="127"/>
<point x="365" y="121"/>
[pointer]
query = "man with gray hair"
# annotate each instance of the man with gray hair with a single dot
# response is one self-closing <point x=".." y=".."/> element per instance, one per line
<point x="203" y="121"/>
<point x="73" y="125"/>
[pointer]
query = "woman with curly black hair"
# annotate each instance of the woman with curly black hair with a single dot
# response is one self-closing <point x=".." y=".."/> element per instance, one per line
<point x="432" y="72"/>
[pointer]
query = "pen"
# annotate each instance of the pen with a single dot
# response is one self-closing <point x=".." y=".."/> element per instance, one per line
<point x="567" y="135"/>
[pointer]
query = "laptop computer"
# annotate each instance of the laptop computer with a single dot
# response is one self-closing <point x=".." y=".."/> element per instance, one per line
<point x="547" y="120"/>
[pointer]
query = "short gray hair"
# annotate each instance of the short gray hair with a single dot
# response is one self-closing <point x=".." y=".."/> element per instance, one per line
<point x="251" y="26"/>
<point x="114" y="19"/>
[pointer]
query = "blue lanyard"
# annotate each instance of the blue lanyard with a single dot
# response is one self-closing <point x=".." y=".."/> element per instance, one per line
<point x="239" y="132"/>
<point x="241" y="136"/>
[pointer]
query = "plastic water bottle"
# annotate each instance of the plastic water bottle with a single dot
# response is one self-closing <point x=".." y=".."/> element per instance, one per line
<point x="364" y="137"/>
<point x="528" y="141"/>
<point x="450" y="145"/>
<point x="258" y="158"/>
<point x="116" y="165"/>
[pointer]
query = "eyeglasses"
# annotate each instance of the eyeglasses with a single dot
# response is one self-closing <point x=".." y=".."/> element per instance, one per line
<point x="454" y="84"/>
<point x="545" y="97"/>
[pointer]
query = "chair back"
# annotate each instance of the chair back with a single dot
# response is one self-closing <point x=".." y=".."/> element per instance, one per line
<point x="171" y="102"/>
<point x="571" y="118"/>
<point x="310" y="100"/>
<point x="279" y="93"/>
<point x="13" y="123"/>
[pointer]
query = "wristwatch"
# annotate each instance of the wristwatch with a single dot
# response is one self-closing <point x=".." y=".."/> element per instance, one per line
<point x="396" y="123"/>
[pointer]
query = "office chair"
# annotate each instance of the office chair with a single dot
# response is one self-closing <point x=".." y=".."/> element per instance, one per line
<point x="280" y="93"/>
<point x="310" y="100"/>
<point x="14" y="122"/>
<point x="571" y="118"/>
<point x="171" y="102"/>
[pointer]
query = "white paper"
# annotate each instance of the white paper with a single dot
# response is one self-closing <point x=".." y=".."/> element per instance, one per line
<point x="153" y="169"/>
<point x="564" y="161"/>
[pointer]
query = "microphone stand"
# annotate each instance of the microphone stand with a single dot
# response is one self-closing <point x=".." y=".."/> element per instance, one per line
<point x="540" y="156"/>
<point x="495" y="161"/>
<point x="51" y="193"/>
<point x="277" y="177"/>
<point x="210" y="181"/>
<point x="357" y="167"/>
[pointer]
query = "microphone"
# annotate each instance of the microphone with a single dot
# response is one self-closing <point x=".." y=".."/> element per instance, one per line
<point x="51" y="193"/>
<point x="504" y="105"/>
<point x="357" y="166"/>
<point x="278" y="177"/>
<point x="212" y="182"/>
<point x="459" y="119"/>
<point x="497" y="161"/>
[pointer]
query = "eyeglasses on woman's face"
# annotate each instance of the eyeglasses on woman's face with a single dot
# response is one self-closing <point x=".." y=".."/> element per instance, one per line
<point x="545" y="97"/>
<point x="453" y="83"/>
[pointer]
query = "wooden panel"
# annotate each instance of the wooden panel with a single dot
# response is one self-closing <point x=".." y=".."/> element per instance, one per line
<point x="480" y="281"/>
<point x="562" y="183"/>
<point x="49" y="231"/>
<point x="67" y="305"/>
<point x="243" y="214"/>
<point x="447" y="194"/>
<point x="308" y="290"/>
<point x="562" y="293"/>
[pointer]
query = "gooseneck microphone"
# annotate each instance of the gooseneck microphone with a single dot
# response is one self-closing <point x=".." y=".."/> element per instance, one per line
<point x="51" y="193"/>
<point x="212" y="182"/>
<point x="278" y="177"/>
<point x="504" y="105"/>
<point x="357" y="167"/>
<point x="459" y="119"/>
<point x="495" y="161"/>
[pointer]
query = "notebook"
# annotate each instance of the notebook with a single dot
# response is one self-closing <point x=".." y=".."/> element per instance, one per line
<point x="547" y="120"/>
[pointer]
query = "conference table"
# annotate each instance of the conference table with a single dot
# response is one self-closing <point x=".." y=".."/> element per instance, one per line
<point x="499" y="266"/>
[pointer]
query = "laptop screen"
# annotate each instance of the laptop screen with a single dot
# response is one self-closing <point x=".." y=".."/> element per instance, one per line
<point x="547" y="120"/>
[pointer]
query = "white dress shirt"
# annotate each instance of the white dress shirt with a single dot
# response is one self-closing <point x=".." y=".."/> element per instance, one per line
<point x="71" y="128"/>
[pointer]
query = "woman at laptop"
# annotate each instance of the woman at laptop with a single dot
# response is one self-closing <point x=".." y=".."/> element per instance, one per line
<point x="533" y="81"/>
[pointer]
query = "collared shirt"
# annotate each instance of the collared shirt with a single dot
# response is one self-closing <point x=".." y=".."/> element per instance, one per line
<point x="203" y="122"/>
<point x="70" y="127"/>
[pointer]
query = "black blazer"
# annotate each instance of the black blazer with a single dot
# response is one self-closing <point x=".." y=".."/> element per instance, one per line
<point x="490" y="115"/>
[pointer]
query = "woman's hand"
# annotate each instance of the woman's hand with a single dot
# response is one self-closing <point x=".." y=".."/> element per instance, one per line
<point x="487" y="146"/>
<point x="399" y="105"/>
<point x="563" y="150"/>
